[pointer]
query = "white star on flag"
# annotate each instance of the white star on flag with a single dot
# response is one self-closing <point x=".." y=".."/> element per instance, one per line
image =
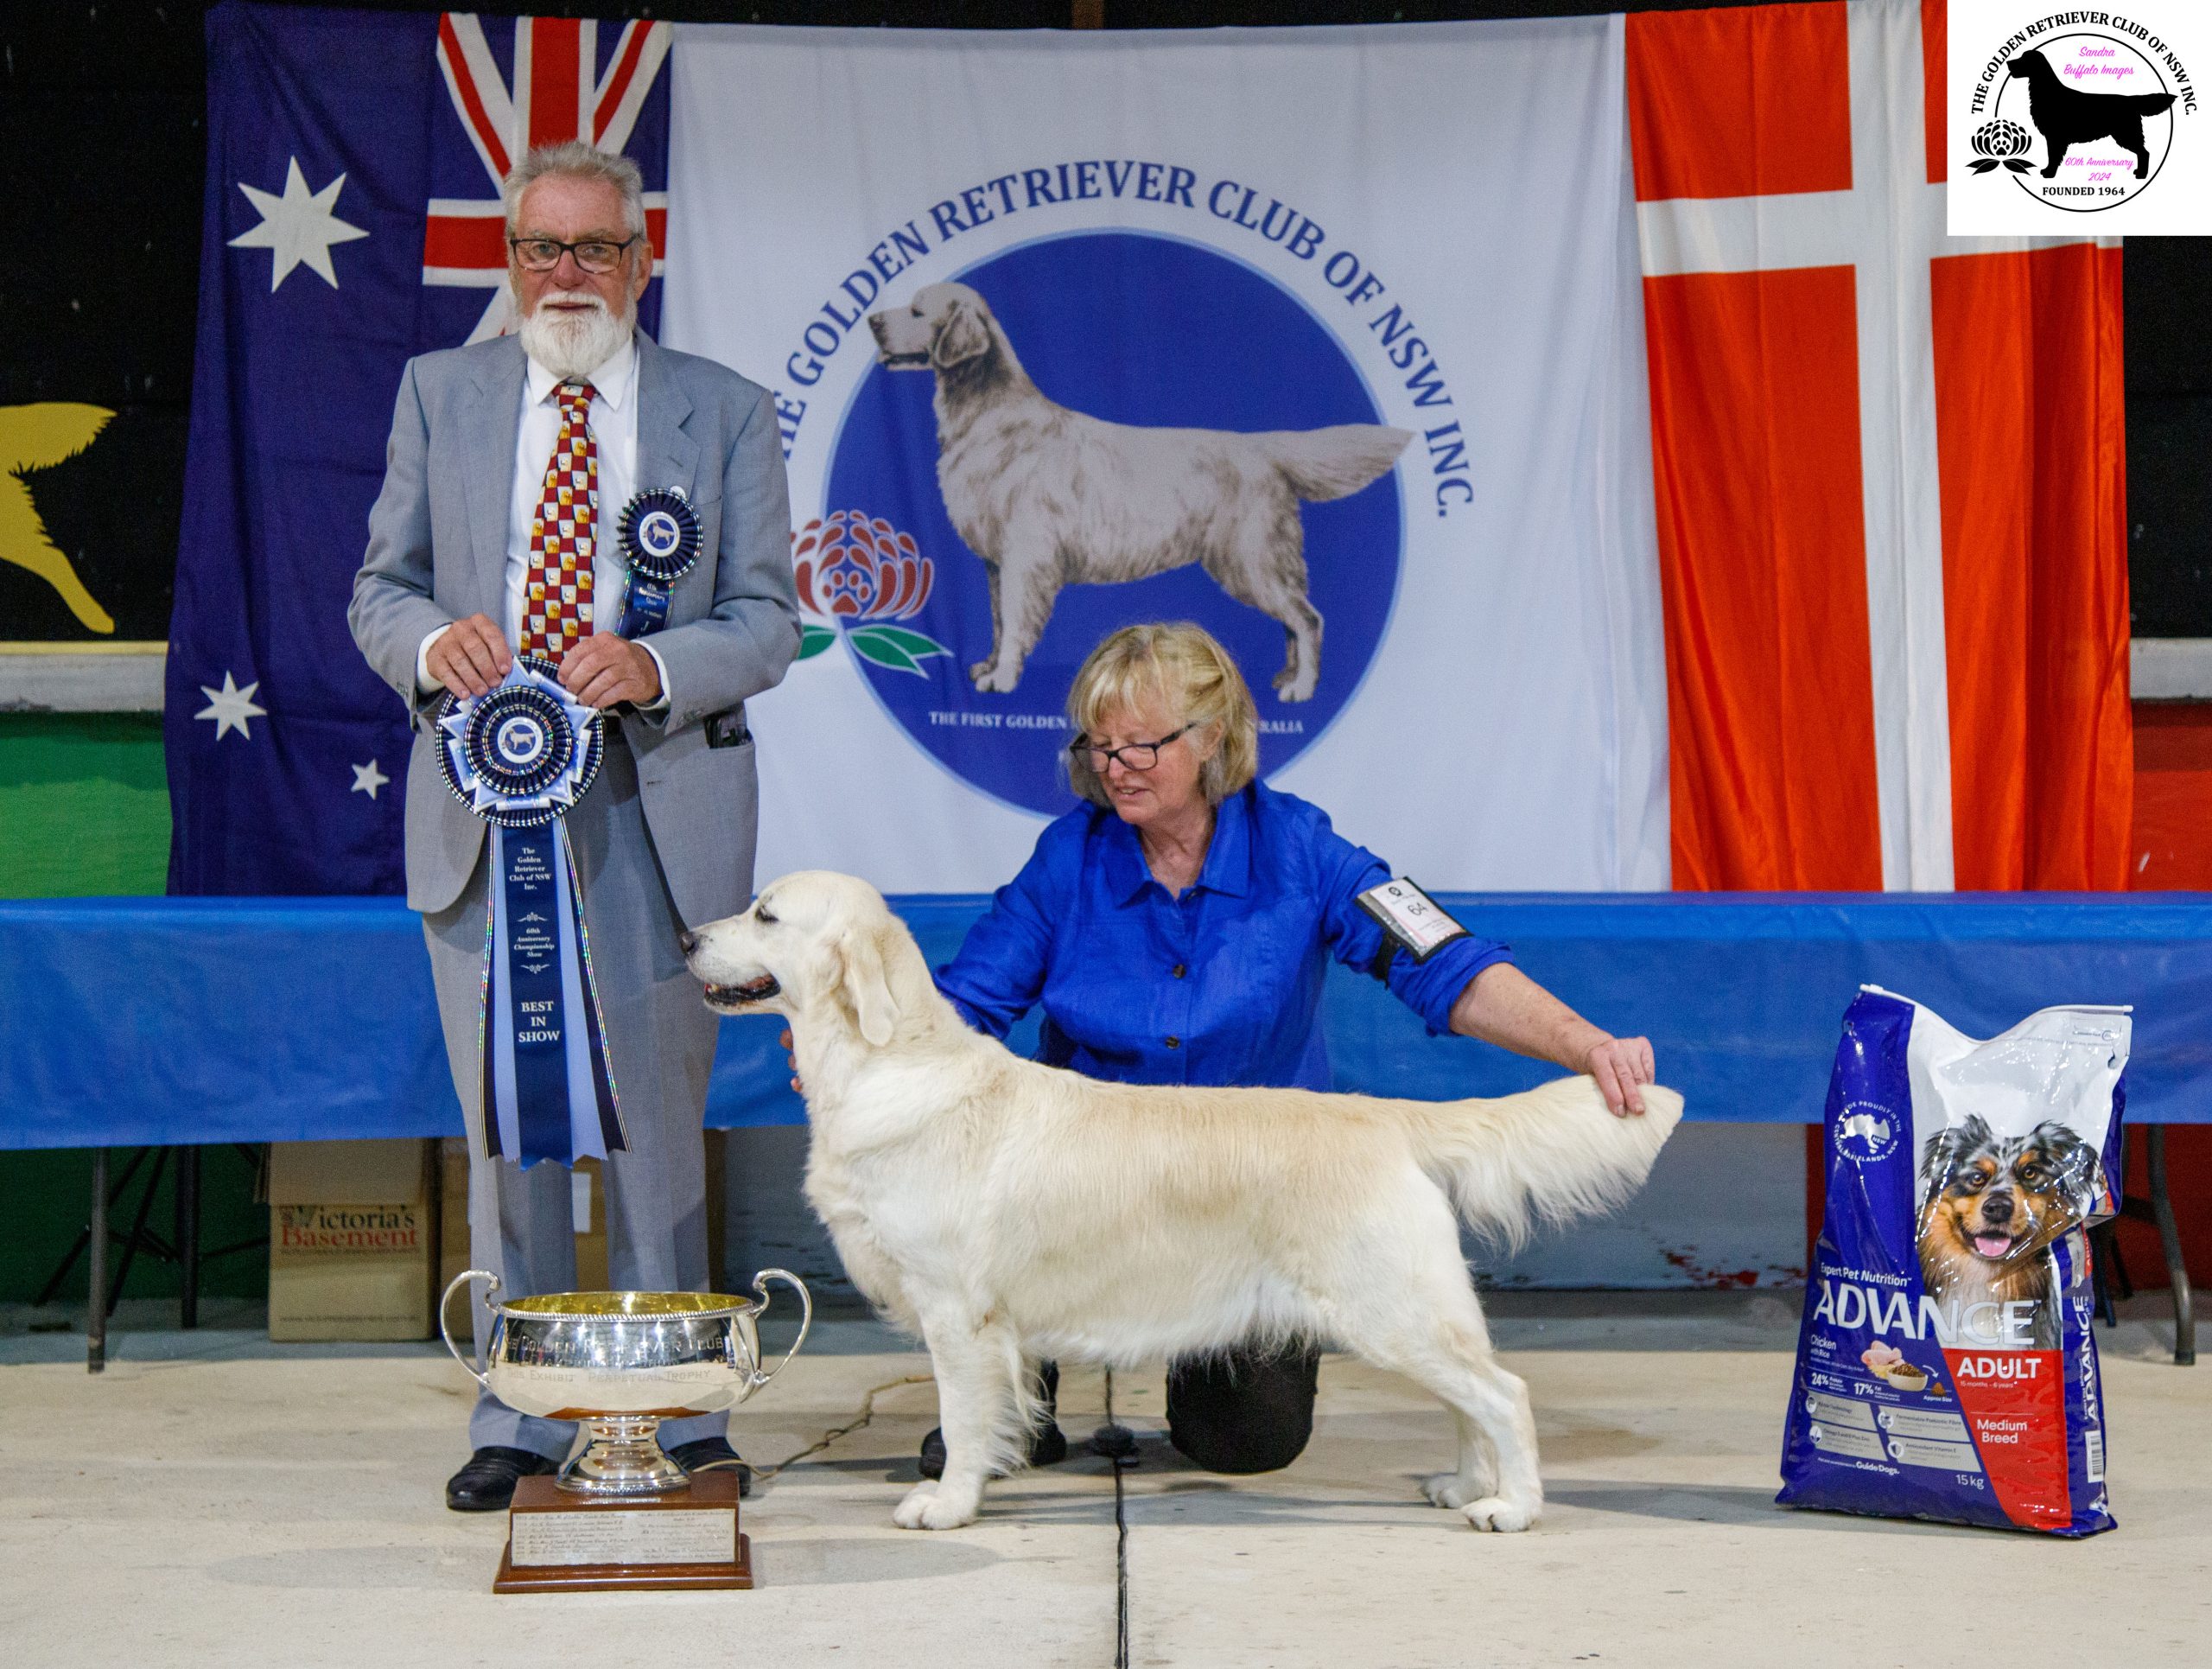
<point x="297" y="228"/>
<point x="367" y="779"/>
<point x="231" y="707"/>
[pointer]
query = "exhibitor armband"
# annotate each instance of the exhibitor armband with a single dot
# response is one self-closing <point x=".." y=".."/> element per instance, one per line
<point x="1411" y="920"/>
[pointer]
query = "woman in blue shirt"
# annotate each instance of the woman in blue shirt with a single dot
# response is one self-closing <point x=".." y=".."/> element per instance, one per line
<point x="1176" y="930"/>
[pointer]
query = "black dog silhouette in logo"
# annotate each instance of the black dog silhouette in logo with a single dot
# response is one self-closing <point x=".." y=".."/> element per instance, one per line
<point x="2067" y="116"/>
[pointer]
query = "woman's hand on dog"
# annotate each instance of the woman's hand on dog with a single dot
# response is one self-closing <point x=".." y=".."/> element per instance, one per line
<point x="790" y="1056"/>
<point x="1622" y="1066"/>
<point x="1502" y="1005"/>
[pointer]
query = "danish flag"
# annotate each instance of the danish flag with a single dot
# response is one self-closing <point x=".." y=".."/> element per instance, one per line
<point x="1889" y="470"/>
<point x="559" y="92"/>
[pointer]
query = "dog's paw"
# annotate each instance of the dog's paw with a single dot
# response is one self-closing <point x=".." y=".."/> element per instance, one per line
<point x="927" y="1507"/>
<point x="991" y="681"/>
<point x="1293" y="686"/>
<point x="907" y="1515"/>
<point x="1496" y="1512"/>
<point x="1447" y="1489"/>
<point x="979" y="671"/>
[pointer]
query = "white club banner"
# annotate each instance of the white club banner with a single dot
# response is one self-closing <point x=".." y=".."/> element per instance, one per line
<point x="1330" y="340"/>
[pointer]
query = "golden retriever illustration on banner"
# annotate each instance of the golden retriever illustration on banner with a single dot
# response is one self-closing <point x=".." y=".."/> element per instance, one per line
<point x="1050" y="497"/>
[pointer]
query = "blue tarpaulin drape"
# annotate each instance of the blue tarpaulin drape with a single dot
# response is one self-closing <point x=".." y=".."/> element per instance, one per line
<point x="215" y="1020"/>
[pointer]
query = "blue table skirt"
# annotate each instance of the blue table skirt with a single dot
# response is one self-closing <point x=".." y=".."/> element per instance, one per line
<point x="133" y="1021"/>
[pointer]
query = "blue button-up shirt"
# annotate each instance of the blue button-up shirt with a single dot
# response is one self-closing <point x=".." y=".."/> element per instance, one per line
<point x="1222" y="985"/>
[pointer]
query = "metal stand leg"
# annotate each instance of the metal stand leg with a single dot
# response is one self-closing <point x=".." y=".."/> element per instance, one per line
<point x="138" y="1237"/>
<point x="96" y="1297"/>
<point x="187" y="1236"/>
<point x="2161" y="1212"/>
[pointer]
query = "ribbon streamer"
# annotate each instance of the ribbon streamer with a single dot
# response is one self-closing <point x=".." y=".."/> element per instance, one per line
<point x="520" y="756"/>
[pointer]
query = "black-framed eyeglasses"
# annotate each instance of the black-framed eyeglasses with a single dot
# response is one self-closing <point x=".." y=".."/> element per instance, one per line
<point x="592" y="254"/>
<point x="1136" y="756"/>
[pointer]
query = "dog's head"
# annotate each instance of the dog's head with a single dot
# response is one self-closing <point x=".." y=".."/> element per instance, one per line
<point x="2027" y="64"/>
<point x="814" y="945"/>
<point x="1994" y="1197"/>
<point x="943" y="326"/>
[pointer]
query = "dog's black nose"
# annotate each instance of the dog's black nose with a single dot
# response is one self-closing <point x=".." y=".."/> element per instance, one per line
<point x="1997" y="1209"/>
<point x="688" y="942"/>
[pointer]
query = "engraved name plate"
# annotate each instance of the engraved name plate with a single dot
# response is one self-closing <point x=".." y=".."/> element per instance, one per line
<point x="647" y="1536"/>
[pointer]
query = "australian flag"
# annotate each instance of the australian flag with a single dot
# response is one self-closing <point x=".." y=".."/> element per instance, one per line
<point x="353" y="220"/>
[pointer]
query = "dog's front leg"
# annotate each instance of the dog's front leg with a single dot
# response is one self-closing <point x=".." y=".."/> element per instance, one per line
<point x="1026" y="589"/>
<point x="981" y="669"/>
<point x="974" y="1366"/>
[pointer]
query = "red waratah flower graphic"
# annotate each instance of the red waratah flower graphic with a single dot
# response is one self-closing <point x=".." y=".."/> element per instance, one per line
<point x="863" y="573"/>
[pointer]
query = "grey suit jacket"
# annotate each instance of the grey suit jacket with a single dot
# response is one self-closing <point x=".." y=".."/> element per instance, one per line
<point x="438" y="553"/>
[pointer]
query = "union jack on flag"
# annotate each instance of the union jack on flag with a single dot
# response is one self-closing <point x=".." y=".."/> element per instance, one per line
<point x="560" y="85"/>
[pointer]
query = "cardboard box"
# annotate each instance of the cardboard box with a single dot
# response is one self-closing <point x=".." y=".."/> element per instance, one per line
<point x="587" y="1209"/>
<point x="453" y="1213"/>
<point x="352" y="1240"/>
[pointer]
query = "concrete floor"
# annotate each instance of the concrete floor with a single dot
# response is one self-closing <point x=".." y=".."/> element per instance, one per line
<point x="215" y="1499"/>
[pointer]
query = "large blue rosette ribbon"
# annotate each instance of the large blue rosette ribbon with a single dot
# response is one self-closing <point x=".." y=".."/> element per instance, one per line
<point x="520" y="756"/>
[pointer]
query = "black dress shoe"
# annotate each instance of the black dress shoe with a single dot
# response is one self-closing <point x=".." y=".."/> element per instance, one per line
<point x="486" y="1484"/>
<point x="1048" y="1446"/>
<point x="714" y="1454"/>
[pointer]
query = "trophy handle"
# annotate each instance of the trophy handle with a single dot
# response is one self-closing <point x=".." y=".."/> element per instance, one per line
<point x="446" y="1302"/>
<point x="805" y="1319"/>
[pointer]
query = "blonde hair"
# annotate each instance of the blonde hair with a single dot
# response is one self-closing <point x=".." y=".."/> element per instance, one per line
<point x="1182" y="669"/>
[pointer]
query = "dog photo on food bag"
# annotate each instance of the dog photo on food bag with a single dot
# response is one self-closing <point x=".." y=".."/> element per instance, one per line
<point x="1990" y="1207"/>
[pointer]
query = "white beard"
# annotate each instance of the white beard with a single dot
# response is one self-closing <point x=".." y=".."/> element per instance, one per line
<point x="572" y="345"/>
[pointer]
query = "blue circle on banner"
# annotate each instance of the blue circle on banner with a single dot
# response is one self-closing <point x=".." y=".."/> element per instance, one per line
<point x="1135" y="329"/>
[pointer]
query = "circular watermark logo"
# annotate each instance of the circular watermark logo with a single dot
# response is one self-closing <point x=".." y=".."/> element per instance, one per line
<point x="2083" y="121"/>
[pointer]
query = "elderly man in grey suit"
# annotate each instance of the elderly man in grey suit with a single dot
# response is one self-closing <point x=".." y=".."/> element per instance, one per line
<point x="472" y="554"/>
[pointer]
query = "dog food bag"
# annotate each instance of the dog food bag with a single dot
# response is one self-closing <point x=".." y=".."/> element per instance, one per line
<point x="1946" y="1367"/>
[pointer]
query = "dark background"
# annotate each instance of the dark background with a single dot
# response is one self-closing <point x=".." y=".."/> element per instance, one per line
<point x="101" y="110"/>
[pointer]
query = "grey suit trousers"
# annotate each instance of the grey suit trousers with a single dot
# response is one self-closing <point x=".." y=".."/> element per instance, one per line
<point x="660" y="1041"/>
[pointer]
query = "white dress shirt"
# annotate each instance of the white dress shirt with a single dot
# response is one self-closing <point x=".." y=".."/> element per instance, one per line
<point x="613" y="421"/>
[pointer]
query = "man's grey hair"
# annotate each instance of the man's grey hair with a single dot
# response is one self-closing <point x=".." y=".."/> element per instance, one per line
<point x="577" y="159"/>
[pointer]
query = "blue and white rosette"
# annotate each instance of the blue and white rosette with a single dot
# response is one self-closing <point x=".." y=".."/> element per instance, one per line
<point x="659" y="532"/>
<point x="520" y="756"/>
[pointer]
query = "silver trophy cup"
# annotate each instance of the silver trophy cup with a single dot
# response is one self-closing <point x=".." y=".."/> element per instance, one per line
<point x="620" y="1363"/>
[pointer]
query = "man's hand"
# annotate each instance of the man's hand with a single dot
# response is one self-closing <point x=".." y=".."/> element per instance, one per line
<point x="791" y="1055"/>
<point x="1622" y="1065"/>
<point x="471" y="658"/>
<point x="604" y="669"/>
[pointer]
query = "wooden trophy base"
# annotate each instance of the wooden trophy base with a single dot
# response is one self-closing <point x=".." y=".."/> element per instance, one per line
<point x="560" y="1542"/>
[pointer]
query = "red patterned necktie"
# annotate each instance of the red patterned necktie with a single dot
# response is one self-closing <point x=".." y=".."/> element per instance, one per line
<point x="556" y="591"/>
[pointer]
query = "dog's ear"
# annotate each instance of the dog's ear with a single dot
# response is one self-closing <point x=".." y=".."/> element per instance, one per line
<point x="1947" y="1148"/>
<point x="960" y="336"/>
<point x="865" y="989"/>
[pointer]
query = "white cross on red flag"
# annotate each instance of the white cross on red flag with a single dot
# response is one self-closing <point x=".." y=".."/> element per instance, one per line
<point x="1889" y="470"/>
<point x="559" y="91"/>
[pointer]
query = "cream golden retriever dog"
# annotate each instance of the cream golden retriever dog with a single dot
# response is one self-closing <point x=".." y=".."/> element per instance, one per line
<point x="1048" y="497"/>
<point x="1010" y="1212"/>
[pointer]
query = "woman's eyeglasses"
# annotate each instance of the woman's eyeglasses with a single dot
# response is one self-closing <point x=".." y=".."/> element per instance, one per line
<point x="1135" y="756"/>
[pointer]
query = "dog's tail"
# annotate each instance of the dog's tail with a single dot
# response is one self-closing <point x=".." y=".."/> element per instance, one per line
<point x="1553" y="1153"/>
<point x="1333" y="463"/>
<point x="2152" y="104"/>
